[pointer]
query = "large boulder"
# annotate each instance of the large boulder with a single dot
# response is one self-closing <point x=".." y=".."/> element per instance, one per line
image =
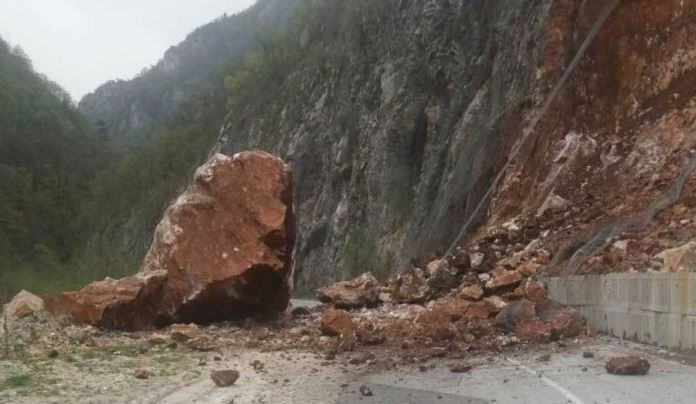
<point x="226" y="242"/>
<point x="359" y="292"/>
<point x="223" y="250"/>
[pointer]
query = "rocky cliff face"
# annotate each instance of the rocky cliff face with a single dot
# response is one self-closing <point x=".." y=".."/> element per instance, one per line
<point x="397" y="133"/>
<point x="125" y="110"/>
<point x="394" y="143"/>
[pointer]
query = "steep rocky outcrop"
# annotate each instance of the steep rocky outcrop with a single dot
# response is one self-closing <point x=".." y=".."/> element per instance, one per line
<point x="222" y="251"/>
<point x="125" y="110"/>
<point x="396" y="134"/>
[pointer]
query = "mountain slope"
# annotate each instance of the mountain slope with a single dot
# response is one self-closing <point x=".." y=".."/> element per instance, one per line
<point x="125" y="110"/>
<point x="47" y="155"/>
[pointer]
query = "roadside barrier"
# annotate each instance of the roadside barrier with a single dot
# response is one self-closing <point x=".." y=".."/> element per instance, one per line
<point x="652" y="308"/>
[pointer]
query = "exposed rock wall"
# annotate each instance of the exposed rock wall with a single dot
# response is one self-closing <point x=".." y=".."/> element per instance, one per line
<point x="394" y="142"/>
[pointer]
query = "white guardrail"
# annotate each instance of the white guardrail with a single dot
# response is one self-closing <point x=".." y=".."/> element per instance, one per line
<point x="653" y="308"/>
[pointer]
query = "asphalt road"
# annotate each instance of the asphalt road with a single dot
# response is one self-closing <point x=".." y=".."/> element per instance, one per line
<point x="566" y="378"/>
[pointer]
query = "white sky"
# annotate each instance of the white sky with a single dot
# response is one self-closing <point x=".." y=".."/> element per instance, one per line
<point x="82" y="43"/>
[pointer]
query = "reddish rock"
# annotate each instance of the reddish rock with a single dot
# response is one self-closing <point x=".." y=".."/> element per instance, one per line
<point x="535" y="291"/>
<point x="529" y="268"/>
<point x="226" y="243"/>
<point x="223" y="250"/>
<point x="361" y="291"/>
<point x="480" y="310"/>
<point x="473" y="292"/>
<point x="568" y="323"/>
<point x="628" y="366"/>
<point x="531" y="329"/>
<point x="496" y="303"/>
<point x="337" y="322"/>
<point x="504" y="279"/>
<point x="130" y="303"/>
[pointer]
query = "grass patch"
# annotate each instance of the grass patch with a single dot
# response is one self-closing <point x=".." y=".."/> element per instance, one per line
<point x="16" y="381"/>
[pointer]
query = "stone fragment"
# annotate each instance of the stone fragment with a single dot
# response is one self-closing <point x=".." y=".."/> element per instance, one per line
<point x="442" y="278"/>
<point x="359" y="292"/>
<point x="532" y="329"/>
<point x="529" y="268"/>
<point x="588" y="354"/>
<point x="224" y="378"/>
<point x="476" y="260"/>
<point x="506" y="279"/>
<point x="365" y="391"/>
<point x="460" y="368"/>
<point x="568" y="323"/>
<point x="513" y="313"/>
<point x="553" y="203"/>
<point x="369" y="334"/>
<point x="535" y="291"/>
<point x="682" y="258"/>
<point x="473" y="292"/>
<point x="143" y="374"/>
<point x="183" y="332"/>
<point x="24" y="304"/>
<point x="410" y="287"/>
<point x="628" y="366"/>
<point x="336" y="322"/>
<point x="496" y="303"/>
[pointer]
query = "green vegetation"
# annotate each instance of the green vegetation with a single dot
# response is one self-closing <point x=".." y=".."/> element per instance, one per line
<point x="16" y="381"/>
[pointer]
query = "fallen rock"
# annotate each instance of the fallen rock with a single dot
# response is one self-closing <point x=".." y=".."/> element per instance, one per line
<point x="24" y="304"/>
<point x="504" y="279"/>
<point x="496" y="303"/>
<point x="224" y="378"/>
<point x="128" y="304"/>
<point x="226" y="243"/>
<point x="359" y="292"/>
<point x="472" y="292"/>
<point x="529" y="268"/>
<point x="369" y="334"/>
<point x="532" y="329"/>
<point x="460" y="368"/>
<point x="143" y="374"/>
<point x="410" y="287"/>
<point x="222" y="251"/>
<point x="682" y="258"/>
<point x="628" y="366"/>
<point x="535" y="291"/>
<point x="184" y="332"/>
<point x="336" y="322"/>
<point x="513" y="313"/>
<point x="365" y="391"/>
<point x="442" y="278"/>
<point x="568" y="323"/>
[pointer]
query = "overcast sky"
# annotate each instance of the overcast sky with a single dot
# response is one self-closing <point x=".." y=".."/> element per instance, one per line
<point x="82" y="43"/>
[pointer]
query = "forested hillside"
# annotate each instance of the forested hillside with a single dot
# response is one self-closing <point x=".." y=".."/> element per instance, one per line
<point x="47" y="155"/>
